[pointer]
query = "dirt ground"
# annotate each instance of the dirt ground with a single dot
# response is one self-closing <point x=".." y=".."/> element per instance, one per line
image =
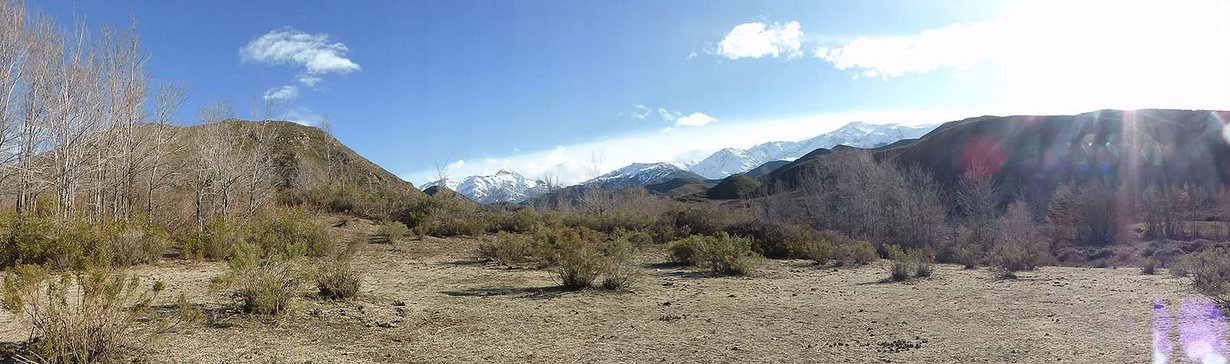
<point x="432" y="301"/>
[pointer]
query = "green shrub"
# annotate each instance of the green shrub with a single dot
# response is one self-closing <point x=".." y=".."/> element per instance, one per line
<point x="264" y="285"/>
<point x="697" y="219"/>
<point x="216" y="242"/>
<point x="87" y="317"/>
<point x="859" y="252"/>
<point x="519" y="221"/>
<point x="774" y="240"/>
<point x="390" y="231"/>
<point x="506" y="248"/>
<point x="726" y="254"/>
<point x="1210" y="273"/>
<point x="279" y="231"/>
<point x="686" y="251"/>
<point x="577" y="263"/>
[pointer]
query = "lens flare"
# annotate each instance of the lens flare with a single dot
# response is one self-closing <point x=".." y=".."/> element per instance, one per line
<point x="1202" y="331"/>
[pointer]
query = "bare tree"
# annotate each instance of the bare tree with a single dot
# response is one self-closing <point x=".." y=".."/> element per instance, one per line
<point x="170" y="98"/>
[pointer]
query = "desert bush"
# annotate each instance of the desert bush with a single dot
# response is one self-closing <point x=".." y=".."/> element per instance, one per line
<point x="577" y="263"/>
<point x="907" y="263"/>
<point x="86" y="317"/>
<point x="1210" y="273"/>
<point x="216" y="242"/>
<point x="336" y="277"/>
<point x="506" y="248"/>
<point x="726" y="254"/>
<point x="131" y="245"/>
<point x="618" y="269"/>
<point x="638" y="239"/>
<point x="390" y="231"/>
<point x="1010" y="256"/>
<point x="519" y="221"/>
<point x="698" y="219"/>
<point x="859" y="252"/>
<point x="1148" y="266"/>
<point x="280" y="229"/>
<point x="264" y="285"/>
<point x="772" y="239"/>
<point x="685" y="251"/>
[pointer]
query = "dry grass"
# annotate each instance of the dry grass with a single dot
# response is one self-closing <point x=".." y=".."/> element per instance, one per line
<point x="429" y="301"/>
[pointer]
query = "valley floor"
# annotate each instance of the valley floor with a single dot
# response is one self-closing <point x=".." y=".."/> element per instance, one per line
<point x="431" y="301"/>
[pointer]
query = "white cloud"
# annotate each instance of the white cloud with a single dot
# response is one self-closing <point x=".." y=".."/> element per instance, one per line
<point x="668" y="115"/>
<point x="695" y="119"/>
<point x="316" y="53"/>
<point x="284" y="93"/>
<point x="455" y="165"/>
<point x="958" y="46"/>
<point x="756" y="40"/>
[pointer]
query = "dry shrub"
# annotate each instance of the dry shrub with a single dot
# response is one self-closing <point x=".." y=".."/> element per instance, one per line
<point x="506" y="248"/>
<point x="336" y="277"/>
<point x="577" y="263"/>
<point x="726" y="254"/>
<point x="390" y="231"/>
<point x="1011" y="256"/>
<point x="910" y="263"/>
<point x="130" y="245"/>
<point x="264" y="285"/>
<point x="90" y="316"/>
<point x="833" y="248"/>
<point x="1148" y="266"/>
<point x="619" y="269"/>
<point x="1210" y="273"/>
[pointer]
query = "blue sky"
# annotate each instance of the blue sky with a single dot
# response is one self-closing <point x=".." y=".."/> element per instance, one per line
<point x="540" y="87"/>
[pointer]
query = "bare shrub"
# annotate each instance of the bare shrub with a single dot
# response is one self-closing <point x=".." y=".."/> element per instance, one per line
<point x="1210" y="273"/>
<point x="87" y="317"/>
<point x="1020" y="248"/>
<point x="130" y="245"/>
<point x="859" y="252"/>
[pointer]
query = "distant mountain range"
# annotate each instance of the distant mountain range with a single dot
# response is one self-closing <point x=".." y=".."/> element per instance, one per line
<point x="507" y="186"/>
<point x="642" y="174"/>
<point x="503" y="186"/>
<point x="729" y="161"/>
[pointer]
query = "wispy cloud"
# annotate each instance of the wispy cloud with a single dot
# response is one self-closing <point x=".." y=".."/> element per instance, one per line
<point x="317" y="54"/>
<point x="639" y="112"/>
<point x="757" y="40"/>
<point x="284" y="93"/>
<point x="302" y="115"/>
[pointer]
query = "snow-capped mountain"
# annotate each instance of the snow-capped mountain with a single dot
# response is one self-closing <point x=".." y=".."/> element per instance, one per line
<point x="504" y="186"/>
<point x="729" y="161"/>
<point x="641" y="174"/>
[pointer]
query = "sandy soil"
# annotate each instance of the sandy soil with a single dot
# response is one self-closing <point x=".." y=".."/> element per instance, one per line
<point x="431" y="301"/>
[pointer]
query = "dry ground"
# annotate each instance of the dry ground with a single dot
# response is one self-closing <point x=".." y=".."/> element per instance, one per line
<point x="431" y="301"/>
